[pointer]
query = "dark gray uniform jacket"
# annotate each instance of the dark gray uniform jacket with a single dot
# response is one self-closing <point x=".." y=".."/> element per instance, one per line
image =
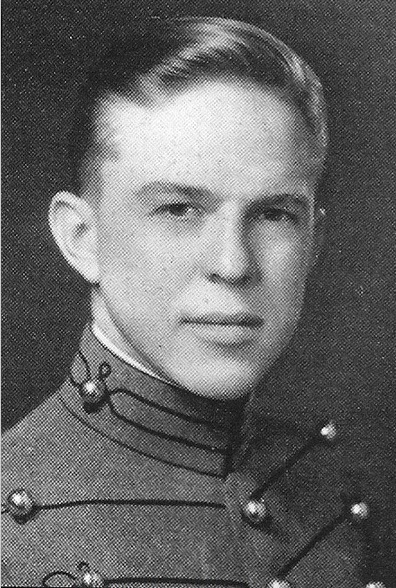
<point x="149" y="485"/>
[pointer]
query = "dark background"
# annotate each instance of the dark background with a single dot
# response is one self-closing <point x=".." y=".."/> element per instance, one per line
<point x="341" y="361"/>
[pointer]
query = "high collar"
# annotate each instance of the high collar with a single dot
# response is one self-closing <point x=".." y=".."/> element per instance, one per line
<point x="152" y="417"/>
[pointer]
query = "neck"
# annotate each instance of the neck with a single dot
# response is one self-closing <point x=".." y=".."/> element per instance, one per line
<point x="109" y="334"/>
<point x="107" y="342"/>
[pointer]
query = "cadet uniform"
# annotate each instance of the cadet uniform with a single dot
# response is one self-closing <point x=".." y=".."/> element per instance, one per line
<point x="122" y="479"/>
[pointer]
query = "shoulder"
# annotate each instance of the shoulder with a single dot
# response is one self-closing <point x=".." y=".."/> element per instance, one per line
<point x="32" y="452"/>
<point x="42" y="450"/>
<point x="31" y="425"/>
<point x="21" y="443"/>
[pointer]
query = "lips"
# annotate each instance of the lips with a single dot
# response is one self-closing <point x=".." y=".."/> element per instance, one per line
<point x="239" y="319"/>
<point x="224" y="329"/>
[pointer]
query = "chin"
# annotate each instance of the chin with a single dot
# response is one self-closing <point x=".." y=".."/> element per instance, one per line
<point x="229" y="384"/>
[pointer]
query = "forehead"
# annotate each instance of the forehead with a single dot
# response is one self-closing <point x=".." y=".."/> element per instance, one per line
<point x="229" y="135"/>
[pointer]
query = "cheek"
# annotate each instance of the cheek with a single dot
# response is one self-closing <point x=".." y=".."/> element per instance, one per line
<point x="135" y="264"/>
<point x="284" y="269"/>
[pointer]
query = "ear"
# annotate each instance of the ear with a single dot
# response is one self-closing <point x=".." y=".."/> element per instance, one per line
<point x="73" y="225"/>
<point x="319" y="233"/>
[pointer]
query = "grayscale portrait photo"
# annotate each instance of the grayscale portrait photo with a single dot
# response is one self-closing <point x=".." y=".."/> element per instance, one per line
<point x="199" y="310"/>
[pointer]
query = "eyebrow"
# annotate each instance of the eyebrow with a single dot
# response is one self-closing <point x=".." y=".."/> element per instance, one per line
<point x="193" y="193"/>
<point x="201" y="195"/>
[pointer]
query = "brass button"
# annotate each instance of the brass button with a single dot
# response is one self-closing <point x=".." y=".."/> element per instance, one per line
<point x="92" y="392"/>
<point x="328" y="432"/>
<point x="279" y="584"/>
<point x="256" y="512"/>
<point x="359" y="511"/>
<point x="88" y="578"/>
<point x="20" y="504"/>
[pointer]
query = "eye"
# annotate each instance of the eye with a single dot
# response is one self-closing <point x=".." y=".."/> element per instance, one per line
<point x="178" y="209"/>
<point x="278" y="215"/>
<point x="182" y="210"/>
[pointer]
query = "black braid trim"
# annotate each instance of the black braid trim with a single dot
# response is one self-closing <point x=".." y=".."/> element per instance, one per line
<point x="151" y="580"/>
<point x="177" y="581"/>
<point x="44" y="581"/>
<point x="160" y="407"/>
<point x="140" y="452"/>
<point x="130" y="502"/>
<point x="313" y="440"/>
<point x="168" y="437"/>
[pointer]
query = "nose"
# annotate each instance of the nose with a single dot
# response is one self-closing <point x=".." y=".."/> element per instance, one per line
<point x="227" y="255"/>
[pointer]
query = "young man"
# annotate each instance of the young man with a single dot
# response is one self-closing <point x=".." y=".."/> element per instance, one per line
<point x="197" y="150"/>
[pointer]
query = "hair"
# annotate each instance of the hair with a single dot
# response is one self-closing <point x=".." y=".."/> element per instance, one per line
<point x="171" y="55"/>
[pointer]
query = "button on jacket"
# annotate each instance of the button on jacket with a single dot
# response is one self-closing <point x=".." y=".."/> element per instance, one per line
<point x="121" y="479"/>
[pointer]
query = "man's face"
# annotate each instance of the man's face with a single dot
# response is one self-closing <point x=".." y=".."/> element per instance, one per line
<point x="206" y="227"/>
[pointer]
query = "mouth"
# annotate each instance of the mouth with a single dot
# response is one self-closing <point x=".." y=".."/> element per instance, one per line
<point x="228" y="329"/>
<point x="232" y="319"/>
